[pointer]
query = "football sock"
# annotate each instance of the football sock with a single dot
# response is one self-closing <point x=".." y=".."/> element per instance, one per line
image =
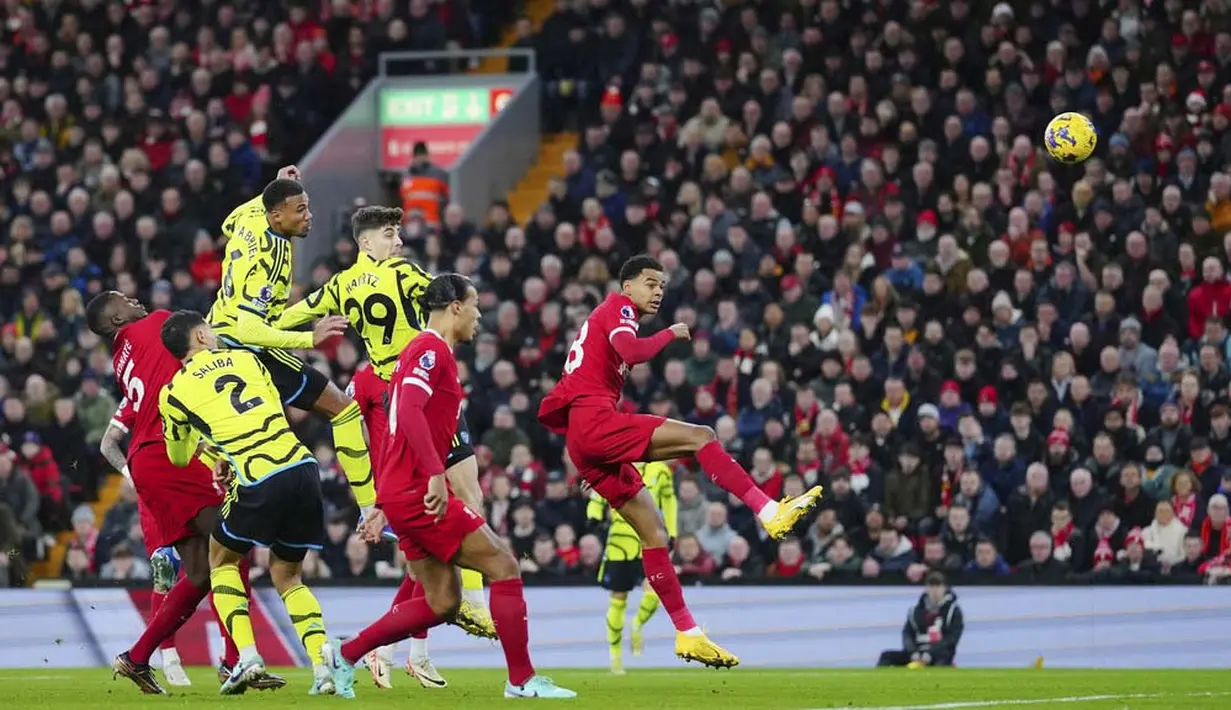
<point x="472" y="588"/>
<point x="230" y="652"/>
<point x="176" y="608"/>
<point x="509" y="614"/>
<point x="418" y="592"/>
<point x="661" y="573"/>
<point x="306" y="617"/>
<point x="352" y="452"/>
<point x="615" y="621"/>
<point x="399" y="622"/>
<point x="418" y="649"/>
<point x="231" y="605"/>
<point x="168" y="643"/>
<point x="406" y="591"/>
<point x="169" y="656"/>
<point x="649" y="605"/>
<point x="732" y="477"/>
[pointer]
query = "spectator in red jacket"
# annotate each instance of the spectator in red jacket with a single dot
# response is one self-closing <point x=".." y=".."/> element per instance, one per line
<point x="1211" y="297"/>
<point x="37" y="460"/>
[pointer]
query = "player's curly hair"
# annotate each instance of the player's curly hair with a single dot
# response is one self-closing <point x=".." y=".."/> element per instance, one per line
<point x="176" y="332"/>
<point x="444" y="290"/>
<point x="374" y="217"/>
<point x="98" y="314"/>
<point x="634" y="266"/>
<point x="279" y="191"/>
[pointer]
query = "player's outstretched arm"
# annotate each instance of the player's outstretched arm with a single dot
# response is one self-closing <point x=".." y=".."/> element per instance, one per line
<point x="318" y="304"/>
<point x="180" y="437"/>
<point x="634" y="350"/>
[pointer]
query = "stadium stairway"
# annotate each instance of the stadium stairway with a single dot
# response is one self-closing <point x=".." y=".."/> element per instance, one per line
<point x="531" y="191"/>
<point x="108" y="494"/>
<point x="537" y="11"/>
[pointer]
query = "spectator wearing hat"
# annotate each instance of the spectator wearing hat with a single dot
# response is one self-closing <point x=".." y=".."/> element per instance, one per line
<point x="1135" y="356"/>
<point x="1136" y="562"/>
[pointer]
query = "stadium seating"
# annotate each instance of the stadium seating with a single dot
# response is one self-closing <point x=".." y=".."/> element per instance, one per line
<point x="882" y="268"/>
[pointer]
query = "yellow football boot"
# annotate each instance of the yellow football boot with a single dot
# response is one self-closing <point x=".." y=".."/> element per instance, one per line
<point x="475" y="620"/>
<point x="698" y="647"/>
<point x="636" y="640"/>
<point x="790" y="510"/>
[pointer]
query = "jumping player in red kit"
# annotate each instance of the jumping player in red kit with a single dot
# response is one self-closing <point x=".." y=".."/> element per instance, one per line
<point x="604" y="442"/>
<point x="180" y="504"/>
<point x="435" y="529"/>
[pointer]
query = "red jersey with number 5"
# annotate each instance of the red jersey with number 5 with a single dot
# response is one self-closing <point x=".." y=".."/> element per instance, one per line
<point x="425" y="399"/>
<point x="143" y="366"/>
<point x="594" y="372"/>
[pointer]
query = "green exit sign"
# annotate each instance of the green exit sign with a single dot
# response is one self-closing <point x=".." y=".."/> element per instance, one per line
<point x="414" y="107"/>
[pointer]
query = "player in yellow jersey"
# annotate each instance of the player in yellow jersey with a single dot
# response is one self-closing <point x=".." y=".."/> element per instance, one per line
<point x="621" y="570"/>
<point x="226" y="400"/>
<point x="256" y="280"/>
<point x="379" y="296"/>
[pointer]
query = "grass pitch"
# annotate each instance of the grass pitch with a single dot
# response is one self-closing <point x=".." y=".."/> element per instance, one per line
<point x="684" y="689"/>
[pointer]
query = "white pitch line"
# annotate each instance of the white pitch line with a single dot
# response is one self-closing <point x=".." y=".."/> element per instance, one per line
<point x="1034" y="701"/>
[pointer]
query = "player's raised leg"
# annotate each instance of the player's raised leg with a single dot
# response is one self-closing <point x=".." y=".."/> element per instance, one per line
<point x="626" y="494"/>
<point x="675" y="439"/>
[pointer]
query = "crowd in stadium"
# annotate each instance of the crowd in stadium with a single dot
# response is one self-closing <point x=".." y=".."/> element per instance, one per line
<point x="997" y="366"/>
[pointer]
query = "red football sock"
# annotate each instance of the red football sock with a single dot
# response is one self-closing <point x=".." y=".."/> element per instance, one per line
<point x="176" y="608"/>
<point x="666" y="584"/>
<point x="397" y="623"/>
<point x="508" y="603"/>
<point x="411" y="589"/>
<point x="730" y="476"/>
<point x="156" y="598"/>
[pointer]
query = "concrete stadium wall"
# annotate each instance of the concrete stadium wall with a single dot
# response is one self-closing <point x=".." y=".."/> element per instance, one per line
<point x="1121" y="627"/>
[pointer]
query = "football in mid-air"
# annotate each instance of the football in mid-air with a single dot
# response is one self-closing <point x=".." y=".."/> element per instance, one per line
<point x="1070" y="138"/>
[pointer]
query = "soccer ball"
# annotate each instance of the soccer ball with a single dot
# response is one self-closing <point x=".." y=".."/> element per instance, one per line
<point x="1070" y="138"/>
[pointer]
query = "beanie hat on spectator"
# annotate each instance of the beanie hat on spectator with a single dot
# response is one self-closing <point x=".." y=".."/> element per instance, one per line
<point x="950" y="386"/>
<point x="988" y="395"/>
<point x="1134" y="537"/>
<point x="927" y="217"/>
<point x="928" y="410"/>
<point x="1119" y="140"/>
<point x="1058" y="437"/>
<point x="612" y="98"/>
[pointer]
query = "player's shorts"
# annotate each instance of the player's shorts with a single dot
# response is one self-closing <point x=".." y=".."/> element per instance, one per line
<point x="298" y="384"/>
<point x="604" y="443"/>
<point x="621" y="575"/>
<point x="170" y="496"/>
<point x="462" y="448"/>
<point x="284" y="512"/>
<point x="420" y="535"/>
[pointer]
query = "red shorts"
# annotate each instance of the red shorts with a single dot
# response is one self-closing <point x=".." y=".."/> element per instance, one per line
<point x="420" y="535"/>
<point x="604" y="443"/>
<point x="149" y="529"/>
<point x="369" y="392"/>
<point x="172" y="496"/>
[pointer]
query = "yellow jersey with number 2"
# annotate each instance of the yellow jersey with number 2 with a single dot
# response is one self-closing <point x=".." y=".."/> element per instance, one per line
<point x="227" y="398"/>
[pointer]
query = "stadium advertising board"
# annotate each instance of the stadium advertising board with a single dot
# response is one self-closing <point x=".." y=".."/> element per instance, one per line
<point x="826" y="627"/>
<point x="447" y="119"/>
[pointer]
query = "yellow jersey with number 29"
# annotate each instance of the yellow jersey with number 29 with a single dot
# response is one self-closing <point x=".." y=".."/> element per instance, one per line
<point x="227" y="398"/>
<point x="379" y="298"/>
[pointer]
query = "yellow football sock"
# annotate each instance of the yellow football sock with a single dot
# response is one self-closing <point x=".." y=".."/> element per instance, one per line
<point x="232" y="604"/>
<point x="649" y="605"/>
<point x="352" y="451"/>
<point x="306" y="616"/>
<point x="615" y="621"/>
<point x="472" y="580"/>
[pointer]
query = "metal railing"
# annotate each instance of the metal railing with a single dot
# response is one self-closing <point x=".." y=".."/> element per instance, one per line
<point x="455" y="55"/>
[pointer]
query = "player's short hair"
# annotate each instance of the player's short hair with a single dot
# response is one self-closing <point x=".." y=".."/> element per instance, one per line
<point x="374" y="217"/>
<point x="443" y="290"/>
<point x="177" y="330"/>
<point x="634" y="266"/>
<point x="279" y="191"/>
<point x="98" y="314"/>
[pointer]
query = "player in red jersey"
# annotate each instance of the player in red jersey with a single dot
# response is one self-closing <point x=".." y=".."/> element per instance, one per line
<point x="604" y="442"/>
<point x="435" y="529"/>
<point x="181" y="503"/>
